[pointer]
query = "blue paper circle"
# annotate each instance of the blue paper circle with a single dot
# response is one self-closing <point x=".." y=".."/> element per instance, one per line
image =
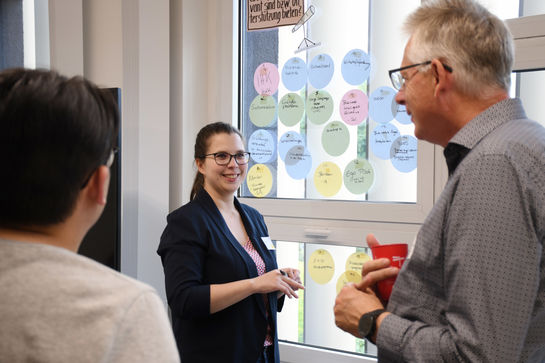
<point x="356" y="67"/>
<point x="287" y="141"/>
<point x="402" y="116"/>
<point x="320" y="71"/>
<point x="294" y="74"/>
<point x="403" y="153"/>
<point x="381" y="139"/>
<point x="298" y="162"/>
<point x="382" y="105"/>
<point x="262" y="146"/>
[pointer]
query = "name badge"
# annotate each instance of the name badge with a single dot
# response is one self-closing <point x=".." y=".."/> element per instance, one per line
<point x="268" y="242"/>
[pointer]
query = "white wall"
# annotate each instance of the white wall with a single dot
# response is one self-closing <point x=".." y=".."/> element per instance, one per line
<point x="173" y="63"/>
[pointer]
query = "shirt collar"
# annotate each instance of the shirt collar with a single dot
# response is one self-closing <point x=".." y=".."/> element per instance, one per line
<point x="476" y="129"/>
<point x="488" y="120"/>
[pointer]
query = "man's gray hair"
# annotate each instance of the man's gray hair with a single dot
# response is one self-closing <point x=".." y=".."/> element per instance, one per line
<point x="466" y="36"/>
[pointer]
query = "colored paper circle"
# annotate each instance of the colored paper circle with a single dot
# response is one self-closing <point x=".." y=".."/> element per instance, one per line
<point x="359" y="176"/>
<point x="298" y="162"/>
<point x="404" y="153"/>
<point x="262" y="111"/>
<point x="328" y="179"/>
<point x="291" y="109"/>
<point x="347" y="277"/>
<point x="287" y="141"/>
<point x="335" y="138"/>
<point x="262" y="146"/>
<point x="401" y="115"/>
<point x="354" y="107"/>
<point x="320" y="71"/>
<point x="381" y="139"/>
<point x="266" y="79"/>
<point x="319" y="107"/>
<point x="294" y="74"/>
<point x="355" y="261"/>
<point x="356" y="67"/>
<point x="259" y="180"/>
<point x="382" y="105"/>
<point x="321" y="266"/>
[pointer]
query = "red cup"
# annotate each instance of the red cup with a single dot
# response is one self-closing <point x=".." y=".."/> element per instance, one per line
<point x="396" y="253"/>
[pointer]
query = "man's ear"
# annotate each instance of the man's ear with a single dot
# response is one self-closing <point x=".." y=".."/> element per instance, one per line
<point x="443" y="78"/>
<point x="98" y="185"/>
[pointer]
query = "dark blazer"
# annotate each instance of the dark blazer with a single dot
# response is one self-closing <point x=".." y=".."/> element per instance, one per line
<point x="197" y="250"/>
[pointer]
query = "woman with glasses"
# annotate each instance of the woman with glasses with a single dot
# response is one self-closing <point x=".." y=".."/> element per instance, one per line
<point x="222" y="281"/>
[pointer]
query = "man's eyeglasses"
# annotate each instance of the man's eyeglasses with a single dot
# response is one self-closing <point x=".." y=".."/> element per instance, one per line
<point x="222" y="158"/>
<point x="107" y="163"/>
<point x="398" y="81"/>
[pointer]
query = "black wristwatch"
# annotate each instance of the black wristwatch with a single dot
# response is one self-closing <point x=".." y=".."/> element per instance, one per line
<point x="368" y="323"/>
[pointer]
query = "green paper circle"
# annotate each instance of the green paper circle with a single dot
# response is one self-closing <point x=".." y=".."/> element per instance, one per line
<point x="319" y="107"/>
<point x="291" y="109"/>
<point x="335" y="138"/>
<point x="262" y="110"/>
<point x="358" y="176"/>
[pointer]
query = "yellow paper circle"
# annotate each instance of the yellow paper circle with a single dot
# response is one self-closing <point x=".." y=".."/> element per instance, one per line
<point x="328" y="179"/>
<point x="259" y="180"/>
<point x="356" y="260"/>
<point x="321" y="266"/>
<point x="346" y="277"/>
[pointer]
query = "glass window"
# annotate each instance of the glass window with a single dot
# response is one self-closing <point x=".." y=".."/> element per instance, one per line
<point x="11" y="34"/>
<point x="530" y="90"/>
<point x="325" y="270"/>
<point x="318" y="109"/>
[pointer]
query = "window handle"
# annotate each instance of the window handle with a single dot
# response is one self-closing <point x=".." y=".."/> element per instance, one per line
<point x="317" y="233"/>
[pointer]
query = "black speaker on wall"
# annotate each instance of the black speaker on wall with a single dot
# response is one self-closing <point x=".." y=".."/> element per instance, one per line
<point x="103" y="241"/>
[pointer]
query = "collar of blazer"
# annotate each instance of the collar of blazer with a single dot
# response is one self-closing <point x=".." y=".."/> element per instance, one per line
<point x="252" y="229"/>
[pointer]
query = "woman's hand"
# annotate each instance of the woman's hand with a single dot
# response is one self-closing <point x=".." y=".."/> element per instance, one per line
<point x="292" y="273"/>
<point x="276" y="281"/>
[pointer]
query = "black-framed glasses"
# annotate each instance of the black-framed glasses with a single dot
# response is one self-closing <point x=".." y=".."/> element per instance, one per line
<point x="224" y="158"/>
<point x="108" y="162"/>
<point x="398" y="81"/>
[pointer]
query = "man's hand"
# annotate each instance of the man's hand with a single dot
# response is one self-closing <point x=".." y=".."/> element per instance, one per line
<point x="351" y="304"/>
<point x="375" y="270"/>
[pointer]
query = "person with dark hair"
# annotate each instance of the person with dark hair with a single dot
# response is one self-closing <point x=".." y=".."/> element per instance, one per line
<point x="222" y="281"/>
<point x="473" y="289"/>
<point x="57" y="138"/>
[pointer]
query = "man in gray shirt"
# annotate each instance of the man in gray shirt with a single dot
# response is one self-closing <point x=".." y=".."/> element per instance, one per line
<point x="473" y="289"/>
<point x="56" y="146"/>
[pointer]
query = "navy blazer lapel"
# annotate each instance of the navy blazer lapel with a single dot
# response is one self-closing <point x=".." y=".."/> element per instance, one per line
<point x="253" y="233"/>
<point x="210" y="207"/>
<point x="212" y="210"/>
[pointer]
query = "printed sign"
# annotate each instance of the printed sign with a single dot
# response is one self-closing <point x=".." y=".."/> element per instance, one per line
<point x="265" y="14"/>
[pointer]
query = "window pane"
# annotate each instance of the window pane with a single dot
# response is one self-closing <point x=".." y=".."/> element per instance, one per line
<point x="530" y="90"/>
<point x="324" y="269"/>
<point x="318" y="109"/>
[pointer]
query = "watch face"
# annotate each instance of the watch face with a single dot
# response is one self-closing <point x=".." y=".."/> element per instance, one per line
<point x="365" y="325"/>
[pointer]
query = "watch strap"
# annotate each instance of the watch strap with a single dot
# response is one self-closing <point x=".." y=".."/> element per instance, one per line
<point x="372" y="315"/>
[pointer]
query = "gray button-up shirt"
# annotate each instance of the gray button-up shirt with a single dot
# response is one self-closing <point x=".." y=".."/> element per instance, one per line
<point x="474" y="287"/>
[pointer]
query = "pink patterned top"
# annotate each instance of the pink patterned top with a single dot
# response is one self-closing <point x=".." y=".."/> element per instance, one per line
<point x="260" y="265"/>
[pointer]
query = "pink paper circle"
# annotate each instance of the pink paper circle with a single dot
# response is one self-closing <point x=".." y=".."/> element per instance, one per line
<point x="266" y="79"/>
<point x="354" y="107"/>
